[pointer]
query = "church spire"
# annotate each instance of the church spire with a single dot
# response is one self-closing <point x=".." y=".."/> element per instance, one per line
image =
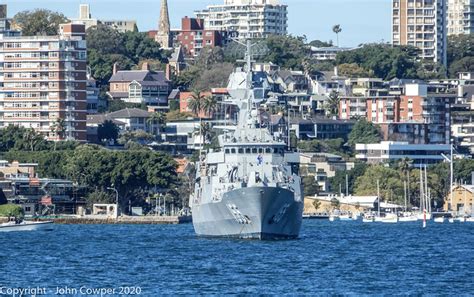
<point x="163" y="35"/>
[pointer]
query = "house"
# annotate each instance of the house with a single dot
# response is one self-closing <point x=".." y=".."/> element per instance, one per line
<point x="176" y="63"/>
<point x="323" y="166"/>
<point x="462" y="201"/>
<point x="321" y="128"/>
<point x="290" y="81"/>
<point x="140" y="87"/>
<point x="16" y="169"/>
<point x="128" y="119"/>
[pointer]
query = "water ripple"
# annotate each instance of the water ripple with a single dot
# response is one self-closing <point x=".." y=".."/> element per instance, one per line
<point x="337" y="258"/>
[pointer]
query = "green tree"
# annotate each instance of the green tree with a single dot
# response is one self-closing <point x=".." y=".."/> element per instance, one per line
<point x="108" y="130"/>
<point x="353" y="70"/>
<point x="286" y="51"/>
<point x="39" y="22"/>
<point x="310" y="186"/>
<point x="339" y="179"/>
<point x="316" y="204"/>
<point x="216" y="77"/>
<point x="391" y="185"/>
<point x="364" y="132"/>
<point x="465" y="64"/>
<point x="381" y="60"/>
<point x="11" y="210"/>
<point x="332" y="104"/>
<point x="319" y="43"/>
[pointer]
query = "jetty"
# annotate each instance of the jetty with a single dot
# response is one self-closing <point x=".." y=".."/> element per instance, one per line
<point x="125" y="220"/>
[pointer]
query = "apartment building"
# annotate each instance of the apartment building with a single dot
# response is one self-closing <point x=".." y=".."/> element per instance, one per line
<point x="460" y="17"/>
<point x="388" y="151"/>
<point x="429" y="104"/>
<point x="421" y="23"/>
<point x="85" y="18"/>
<point x="43" y="83"/>
<point x="193" y="36"/>
<point x="376" y="109"/>
<point x="247" y="18"/>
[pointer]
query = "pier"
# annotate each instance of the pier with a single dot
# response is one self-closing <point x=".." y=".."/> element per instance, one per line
<point x="128" y="220"/>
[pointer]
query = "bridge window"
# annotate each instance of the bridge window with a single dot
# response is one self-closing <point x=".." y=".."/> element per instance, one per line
<point x="226" y="151"/>
<point x="260" y="150"/>
<point x="233" y="151"/>
<point x="247" y="151"/>
<point x="254" y="151"/>
<point x="268" y="150"/>
<point x="241" y="150"/>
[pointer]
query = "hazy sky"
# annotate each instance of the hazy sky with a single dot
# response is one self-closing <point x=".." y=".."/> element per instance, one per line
<point x="362" y="21"/>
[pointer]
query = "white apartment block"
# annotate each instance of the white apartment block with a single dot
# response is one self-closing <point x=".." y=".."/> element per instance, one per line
<point x="389" y="151"/>
<point x="460" y="17"/>
<point x="43" y="83"/>
<point x="248" y="18"/>
<point x="421" y="23"/>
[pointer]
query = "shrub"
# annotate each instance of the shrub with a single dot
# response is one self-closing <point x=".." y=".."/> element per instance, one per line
<point x="11" y="210"/>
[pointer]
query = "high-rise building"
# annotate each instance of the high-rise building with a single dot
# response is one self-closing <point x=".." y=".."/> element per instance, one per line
<point x="421" y="23"/>
<point x="248" y="18"/>
<point x="43" y="83"/>
<point x="163" y="36"/>
<point x="460" y="17"/>
<point x="85" y="18"/>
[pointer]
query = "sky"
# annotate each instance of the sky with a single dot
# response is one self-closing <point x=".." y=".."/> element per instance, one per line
<point x="362" y="21"/>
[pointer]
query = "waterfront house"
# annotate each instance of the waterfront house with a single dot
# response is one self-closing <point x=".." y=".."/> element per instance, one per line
<point x="463" y="200"/>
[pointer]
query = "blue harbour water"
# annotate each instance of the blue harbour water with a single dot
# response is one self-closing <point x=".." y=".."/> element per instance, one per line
<point x="339" y="258"/>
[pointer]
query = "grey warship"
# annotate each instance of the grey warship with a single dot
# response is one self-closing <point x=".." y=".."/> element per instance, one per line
<point x="250" y="187"/>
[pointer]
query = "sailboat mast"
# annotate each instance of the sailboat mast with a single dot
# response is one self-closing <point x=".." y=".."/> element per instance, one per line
<point x="451" y="178"/>
<point x="427" y="205"/>
<point x="405" y="194"/>
<point x="421" y="190"/>
<point x="378" y="197"/>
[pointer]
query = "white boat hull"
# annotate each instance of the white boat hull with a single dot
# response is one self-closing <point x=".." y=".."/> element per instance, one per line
<point x="408" y="219"/>
<point x="25" y="226"/>
<point x="439" y="220"/>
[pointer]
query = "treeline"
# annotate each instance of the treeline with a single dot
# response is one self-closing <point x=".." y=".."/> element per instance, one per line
<point x="106" y="46"/>
<point x="362" y="180"/>
<point x="134" y="173"/>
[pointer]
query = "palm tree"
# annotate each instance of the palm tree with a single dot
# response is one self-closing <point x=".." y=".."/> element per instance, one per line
<point x="337" y="29"/>
<point x="59" y="128"/>
<point x="332" y="104"/>
<point x="204" y="131"/>
<point x="209" y="105"/>
<point x="196" y="103"/>
<point x="158" y="118"/>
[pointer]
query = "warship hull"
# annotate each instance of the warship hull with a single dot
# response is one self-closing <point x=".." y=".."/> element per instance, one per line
<point x="265" y="213"/>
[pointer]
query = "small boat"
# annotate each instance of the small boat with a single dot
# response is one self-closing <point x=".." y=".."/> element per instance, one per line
<point x="317" y="215"/>
<point x="470" y="220"/>
<point x="332" y="218"/>
<point x="411" y="218"/>
<point x="345" y="217"/>
<point x="367" y="218"/>
<point x="451" y="220"/>
<point x="460" y="219"/>
<point x="420" y="216"/>
<point x="439" y="220"/>
<point x="392" y="219"/>
<point x="16" y="225"/>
